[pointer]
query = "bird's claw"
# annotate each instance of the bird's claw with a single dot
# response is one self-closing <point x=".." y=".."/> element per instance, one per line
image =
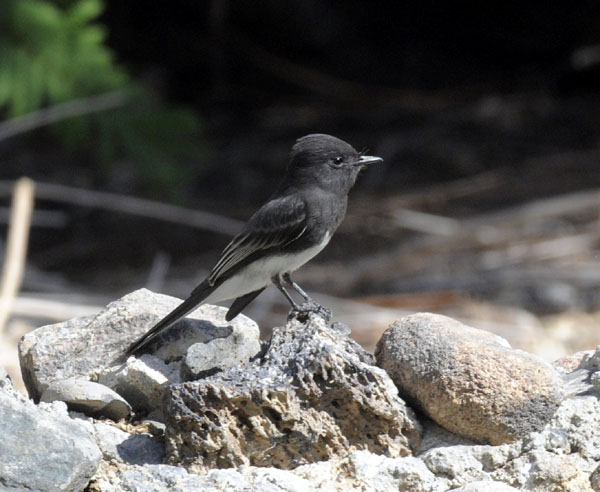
<point x="302" y="311"/>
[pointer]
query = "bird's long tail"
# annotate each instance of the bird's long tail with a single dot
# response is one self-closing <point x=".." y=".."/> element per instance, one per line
<point x="196" y="297"/>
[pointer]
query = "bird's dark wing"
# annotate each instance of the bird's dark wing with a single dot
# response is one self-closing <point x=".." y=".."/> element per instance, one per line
<point x="276" y="224"/>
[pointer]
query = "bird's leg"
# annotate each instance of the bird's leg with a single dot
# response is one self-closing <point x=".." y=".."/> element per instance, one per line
<point x="276" y="279"/>
<point x="309" y="305"/>
<point x="288" y="280"/>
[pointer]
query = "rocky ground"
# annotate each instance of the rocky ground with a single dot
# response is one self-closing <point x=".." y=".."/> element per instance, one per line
<point x="439" y="406"/>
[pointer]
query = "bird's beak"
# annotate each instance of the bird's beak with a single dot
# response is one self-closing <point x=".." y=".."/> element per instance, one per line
<point x="366" y="160"/>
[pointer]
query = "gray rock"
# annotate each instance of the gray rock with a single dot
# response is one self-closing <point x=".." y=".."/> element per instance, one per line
<point x="136" y="449"/>
<point x="155" y="427"/>
<point x="5" y="381"/>
<point x="569" y="363"/>
<point x="41" y="448"/>
<point x="467" y="380"/>
<point x="313" y="396"/>
<point x="590" y="359"/>
<point x="219" y="353"/>
<point x="141" y="381"/>
<point x="313" y="403"/>
<point x="541" y="470"/>
<point x="595" y="381"/>
<point x="7" y="387"/>
<point x="360" y="471"/>
<point x="379" y="473"/>
<point x="164" y="478"/>
<point x="436" y="436"/>
<point x="456" y="462"/>
<point x="574" y="429"/>
<point x="486" y="486"/>
<point x="562" y="457"/>
<point x="586" y="377"/>
<point x="62" y="351"/>
<point x="55" y="352"/>
<point x="93" y="399"/>
<point x="595" y="479"/>
<point x="238" y="339"/>
<point x="577" y="382"/>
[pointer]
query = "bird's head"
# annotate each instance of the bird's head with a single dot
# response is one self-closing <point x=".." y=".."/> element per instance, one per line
<point x="327" y="162"/>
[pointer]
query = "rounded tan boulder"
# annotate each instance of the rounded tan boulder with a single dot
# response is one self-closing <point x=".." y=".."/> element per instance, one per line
<point x="467" y="380"/>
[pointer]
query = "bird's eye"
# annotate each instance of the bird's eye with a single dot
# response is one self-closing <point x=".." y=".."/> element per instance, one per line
<point x="338" y="160"/>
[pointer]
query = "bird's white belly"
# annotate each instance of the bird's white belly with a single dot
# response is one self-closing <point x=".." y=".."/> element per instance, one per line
<point x="258" y="274"/>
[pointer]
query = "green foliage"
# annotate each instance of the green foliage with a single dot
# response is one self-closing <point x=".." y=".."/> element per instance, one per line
<point x="53" y="52"/>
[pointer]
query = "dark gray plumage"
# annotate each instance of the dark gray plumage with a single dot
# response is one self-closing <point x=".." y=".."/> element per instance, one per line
<point x="293" y="226"/>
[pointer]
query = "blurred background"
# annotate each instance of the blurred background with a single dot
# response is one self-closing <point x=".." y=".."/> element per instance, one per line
<point x="149" y="131"/>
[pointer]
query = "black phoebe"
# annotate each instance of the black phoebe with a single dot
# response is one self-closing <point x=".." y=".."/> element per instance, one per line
<point x="291" y="228"/>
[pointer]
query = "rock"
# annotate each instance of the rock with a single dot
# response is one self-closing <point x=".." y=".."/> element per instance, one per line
<point x="467" y="380"/>
<point x="164" y="478"/>
<point x="240" y="335"/>
<point x="486" y="486"/>
<point x="380" y="473"/>
<point x="590" y="359"/>
<point x="569" y="363"/>
<point x="41" y="448"/>
<point x="62" y="351"/>
<point x="137" y="449"/>
<point x="203" y="359"/>
<point x="456" y="462"/>
<point x="559" y="473"/>
<point x="154" y="427"/>
<point x="541" y="471"/>
<point x="360" y="471"/>
<point x="93" y="399"/>
<point x="311" y="412"/>
<point x="141" y="381"/>
<point x="588" y="371"/>
<point x="217" y="340"/>
<point x="562" y="457"/>
<point x="595" y="381"/>
<point x="5" y="381"/>
<point x="435" y="436"/>
<point x="56" y="352"/>
<point x="575" y="429"/>
<point x="595" y="479"/>
<point x="312" y="397"/>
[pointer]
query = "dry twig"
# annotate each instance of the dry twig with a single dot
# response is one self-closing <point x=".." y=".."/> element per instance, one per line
<point x="16" y="249"/>
<point x="61" y="112"/>
<point x="134" y="206"/>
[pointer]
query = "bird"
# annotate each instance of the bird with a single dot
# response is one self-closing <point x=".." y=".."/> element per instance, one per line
<point x="292" y="227"/>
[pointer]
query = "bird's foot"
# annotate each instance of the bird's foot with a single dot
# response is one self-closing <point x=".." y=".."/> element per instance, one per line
<point x="307" y="308"/>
